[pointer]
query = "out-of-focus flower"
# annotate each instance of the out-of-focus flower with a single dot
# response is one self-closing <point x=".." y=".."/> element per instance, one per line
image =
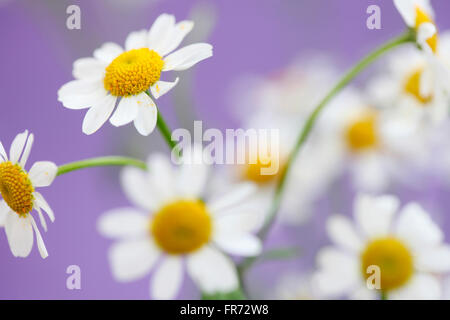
<point x="17" y="187"/>
<point x="408" y="250"/>
<point x="117" y="77"/>
<point x="176" y="223"/>
<point x="296" y="287"/>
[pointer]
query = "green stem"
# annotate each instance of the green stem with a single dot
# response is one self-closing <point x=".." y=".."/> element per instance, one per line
<point x="345" y="80"/>
<point x="101" y="162"/>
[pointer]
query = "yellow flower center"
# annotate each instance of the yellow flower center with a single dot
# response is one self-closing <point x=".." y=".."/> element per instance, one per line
<point x="423" y="17"/>
<point x="182" y="226"/>
<point x="412" y="86"/>
<point x="16" y="188"/>
<point x="394" y="260"/>
<point x="362" y="134"/>
<point x="133" y="72"/>
<point x="255" y="171"/>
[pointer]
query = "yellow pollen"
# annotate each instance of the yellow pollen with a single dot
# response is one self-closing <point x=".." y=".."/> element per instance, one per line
<point x="412" y="86"/>
<point x="182" y="226"/>
<point x="423" y="17"/>
<point x="254" y="171"/>
<point x="362" y="134"/>
<point x="394" y="260"/>
<point x="16" y="188"/>
<point x="133" y="72"/>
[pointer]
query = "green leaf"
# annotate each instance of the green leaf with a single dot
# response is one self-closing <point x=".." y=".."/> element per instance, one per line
<point x="280" y="254"/>
<point x="233" y="295"/>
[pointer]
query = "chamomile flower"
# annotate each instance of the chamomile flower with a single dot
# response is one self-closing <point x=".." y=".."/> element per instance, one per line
<point x="123" y="77"/>
<point x="175" y="224"/>
<point x="17" y="187"/>
<point x="408" y="249"/>
<point x="295" y="286"/>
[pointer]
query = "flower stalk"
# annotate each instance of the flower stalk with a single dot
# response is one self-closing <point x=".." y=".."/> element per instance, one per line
<point x="101" y="162"/>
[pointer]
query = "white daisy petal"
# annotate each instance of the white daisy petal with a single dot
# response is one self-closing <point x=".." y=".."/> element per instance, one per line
<point x="241" y="245"/>
<point x="416" y="228"/>
<point x="4" y="209"/>
<point x="160" y="88"/>
<point x="132" y="259"/>
<point x="136" y="186"/>
<point x="81" y="94"/>
<point x="167" y="279"/>
<point x="42" y="173"/>
<point x="41" y="218"/>
<point x="19" y="233"/>
<point x="42" y="203"/>
<point x="17" y="146"/>
<point x="136" y="40"/>
<point x="425" y="32"/>
<point x="240" y="192"/>
<point x="176" y="35"/>
<point x="436" y="260"/>
<point x="407" y="11"/>
<point x="123" y="223"/>
<point x="212" y="271"/>
<point x="161" y="175"/>
<point x="98" y="114"/>
<point x="374" y="214"/>
<point x="88" y="68"/>
<point x="238" y="220"/>
<point x="3" y="152"/>
<point x="108" y="52"/>
<point x="159" y="31"/>
<point x="193" y="174"/>
<point x="26" y="151"/>
<point x="147" y="116"/>
<point x="126" y="111"/>
<point x="421" y="287"/>
<point x="341" y="232"/>
<point x="363" y="293"/>
<point x="186" y="57"/>
<point x="40" y="242"/>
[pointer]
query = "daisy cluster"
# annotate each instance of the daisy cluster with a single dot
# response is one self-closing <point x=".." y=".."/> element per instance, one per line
<point x="209" y="223"/>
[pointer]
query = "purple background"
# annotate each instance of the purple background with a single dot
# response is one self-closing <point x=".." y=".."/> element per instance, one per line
<point x="250" y="37"/>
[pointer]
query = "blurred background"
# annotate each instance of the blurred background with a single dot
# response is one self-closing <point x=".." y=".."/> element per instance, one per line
<point x="251" y="39"/>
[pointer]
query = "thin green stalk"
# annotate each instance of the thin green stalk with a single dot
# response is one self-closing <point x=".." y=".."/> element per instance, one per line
<point x="345" y="80"/>
<point x="101" y="162"/>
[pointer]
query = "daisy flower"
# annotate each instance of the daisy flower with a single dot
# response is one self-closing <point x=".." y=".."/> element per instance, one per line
<point x="124" y="77"/>
<point x="408" y="250"/>
<point x="17" y="187"/>
<point x="295" y="286"/>
<point x="174" y="223"/>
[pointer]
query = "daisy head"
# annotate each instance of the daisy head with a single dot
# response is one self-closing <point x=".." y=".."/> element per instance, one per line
<point x="174" y="222"/>
<point x="407" y="250"/>
<point x="17" y="188"/>
<point x="126" y="78"/>
<point x="419" y="16"/>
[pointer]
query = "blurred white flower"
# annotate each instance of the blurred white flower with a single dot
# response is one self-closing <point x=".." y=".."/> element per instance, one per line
<point x="117" y="77"/>
<point x="17" y="187"/>
<point x="174" y="222"/>
<point x="296" y="287"/>
<point x="408" y="249"/>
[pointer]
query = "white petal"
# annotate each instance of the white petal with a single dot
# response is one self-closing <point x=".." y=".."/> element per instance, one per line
<point x="161" y="176"/>
<point x="136" y="40"/>
<point x="425" y="32"/>
<point x="420" y="287"/>
<point x="43" y="173"/>
<point x="108" y="52"/>
<point x="40" y="242"/>
<point x="17" y="146"/>
<point x="123" y="223"/>
<point x="3" y="152"/>
<point x="136" y="185"/>
<point x="147" y="116"/>
<point x="41" y="218"/>
<point x="407" y="11"/>
<point x="19" y="233"/>
<point x="167" y="279"/>
<point x="160" y="88"/>
<point x="238" y="220"/>
<point x="4" y="209"/>
<point x="240" y="192"/>
<point x="126" y="111"/>
<point x="160" y="30"/>
<point x="192" y="174"/>
<point x="98" y="114"/>
<point x="241" y="245"/>
<point x="212" y="271"/>
<point x="417" y="229"/>
<point x="40" y="201"/>
<point x="436" y="260"/>
<point x="341" y="232"/>
<point x="175" y="36"/>
<point x="26" y="151"/>
<point x="81" y="94"/>
<point x="131" y="260"/>
<point x="364" y="293"/>
<point x="374" y="214"/>
<point x="88" y="68"/>
<point x="188" y="56"/>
